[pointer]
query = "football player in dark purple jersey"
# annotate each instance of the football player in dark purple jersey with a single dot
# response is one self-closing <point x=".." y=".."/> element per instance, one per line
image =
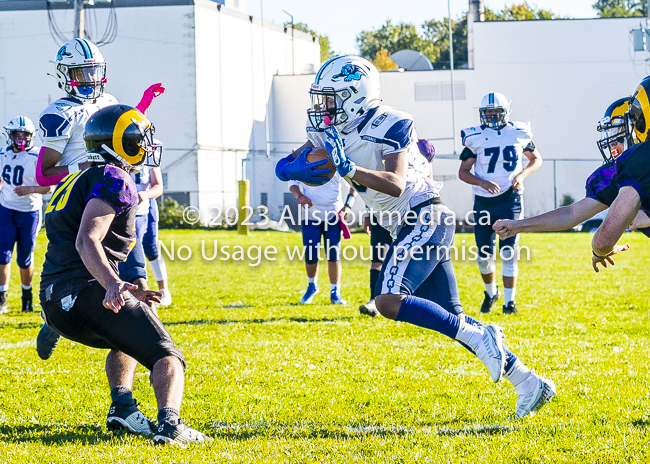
<point x="601" y="187"/>
<point x="90" y="225"/>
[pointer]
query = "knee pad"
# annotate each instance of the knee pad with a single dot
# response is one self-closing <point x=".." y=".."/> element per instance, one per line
<point x="486" y="266"/>
<point x="510" y="263"/>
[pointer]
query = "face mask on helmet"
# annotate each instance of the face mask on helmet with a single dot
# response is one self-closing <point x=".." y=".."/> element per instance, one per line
<point x="345" y="88"/>
<point x="614" y="138"/>
<point x="120" y="133"/>
<point x="494" y="111"/>
<point x="21" y="140"/>
<point x="80" y="69"/>
<point x="327" y="107"/>
<point x="20" y="133"/>
<point x="494" y="118"/>
<point x="88" y="81"/>
<point x="614" y="128"/>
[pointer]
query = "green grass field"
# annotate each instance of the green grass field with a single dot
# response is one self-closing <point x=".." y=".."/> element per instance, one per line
<point x="274" y="381"/>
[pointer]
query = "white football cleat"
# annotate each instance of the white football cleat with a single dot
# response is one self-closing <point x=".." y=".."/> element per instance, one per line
<point x="166" y="298"/>
<point x="491" y="352"/>
<point x="531" y="400"/>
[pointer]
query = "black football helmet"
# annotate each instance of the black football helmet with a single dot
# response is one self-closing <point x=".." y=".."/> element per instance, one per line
<point x="123" y="134"/>
<point x="614" y="128"/>
<point x="639" y="112"/>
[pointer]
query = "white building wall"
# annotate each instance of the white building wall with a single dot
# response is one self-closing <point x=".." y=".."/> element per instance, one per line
<point x="237" y="57"/>
<point x="561" y="75"/>
<point x="143" y="53"/>
<point x="216" y="62"/>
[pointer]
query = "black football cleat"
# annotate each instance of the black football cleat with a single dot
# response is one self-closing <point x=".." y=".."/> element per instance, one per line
<point x="510" y="308"/>
<point x="46" y="342"/>
<point x="179" y="434"/>
<point x="28" y="303"/>
<point x="129" y="418"/>
<point x="486" y="306"/>
<point x="4" y="309"/>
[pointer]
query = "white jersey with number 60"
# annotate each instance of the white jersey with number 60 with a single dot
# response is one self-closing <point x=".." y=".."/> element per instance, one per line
<point x="498" y="153"/>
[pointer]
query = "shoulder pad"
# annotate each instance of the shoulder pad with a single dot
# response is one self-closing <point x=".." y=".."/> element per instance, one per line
<point x="110" y="99"/>
<point x="391" y="127"/>
<point x="519" y="125"/>
<point x="54" y="125"/>
<point x="34" y="151"/>
<point x="467" y="134"/>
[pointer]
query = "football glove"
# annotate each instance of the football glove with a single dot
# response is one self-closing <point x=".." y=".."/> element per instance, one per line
<point x="299" y="169"/>
<point x="147" y="98"/>
<point x="334" y="144"/>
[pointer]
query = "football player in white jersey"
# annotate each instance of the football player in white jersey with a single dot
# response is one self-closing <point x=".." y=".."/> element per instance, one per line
<point x="375" y="147"/>
<point x="496" y="150"/>
<point x="21" y="202"/>
<point x="80" y="71"/>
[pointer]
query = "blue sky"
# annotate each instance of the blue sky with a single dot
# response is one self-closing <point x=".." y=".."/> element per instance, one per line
<point x="342" y="20"/>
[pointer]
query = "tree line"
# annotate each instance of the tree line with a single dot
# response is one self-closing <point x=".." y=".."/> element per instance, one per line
<point x="432" y="37"/>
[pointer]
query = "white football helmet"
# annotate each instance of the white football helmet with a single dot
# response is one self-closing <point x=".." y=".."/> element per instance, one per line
<point x="80" y="69"/>
<point x="20" y="142"/>
<point x="498" y="107"/>
<point x="344" y="89"/>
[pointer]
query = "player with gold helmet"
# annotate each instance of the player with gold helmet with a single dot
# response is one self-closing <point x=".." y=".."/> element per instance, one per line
<point x="90" y="225"/>
<point x="623" y="131"/>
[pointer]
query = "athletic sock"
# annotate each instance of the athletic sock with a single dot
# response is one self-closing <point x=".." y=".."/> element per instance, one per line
<point x="313" y="280"/>
<point x="170" y="415"/>
<point x="159" y="268"/>
<point x="122" y="395"/>
<point x="4" y="288"/>
<point x="511" y="358"/>
<point x="491" y="288"/>
<point x="374" y="277"/>
<point x="26" y="287"/>
<point x="334" y="287"/>
<point x="429" y="315"/>
<point x="517" y="373"/>
<point x="469" y="335"/>
<point x="509" y="294"/>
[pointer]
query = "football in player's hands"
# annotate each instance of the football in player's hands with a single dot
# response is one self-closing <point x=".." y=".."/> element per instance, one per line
<point x="318" y="154"/>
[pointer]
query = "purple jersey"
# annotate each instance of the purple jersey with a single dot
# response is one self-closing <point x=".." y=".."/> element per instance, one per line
<point x="64" y="273"/>
<point x="601" y="186"/>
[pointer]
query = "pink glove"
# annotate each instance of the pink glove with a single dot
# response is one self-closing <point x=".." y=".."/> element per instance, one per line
<point x="148" y="96"/>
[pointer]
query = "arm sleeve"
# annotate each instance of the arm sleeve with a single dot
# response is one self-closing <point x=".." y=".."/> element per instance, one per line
<point x="45" y="181"/>
<point x="467" y="154"/>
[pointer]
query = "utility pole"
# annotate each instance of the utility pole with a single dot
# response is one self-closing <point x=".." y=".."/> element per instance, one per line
<point x="451" y="66"/>
<point x="79" y="19"/>
<point x="293" y="59"/>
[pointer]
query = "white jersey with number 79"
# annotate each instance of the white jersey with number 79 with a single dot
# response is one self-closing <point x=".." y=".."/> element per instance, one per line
<point x="498" y="153"/>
